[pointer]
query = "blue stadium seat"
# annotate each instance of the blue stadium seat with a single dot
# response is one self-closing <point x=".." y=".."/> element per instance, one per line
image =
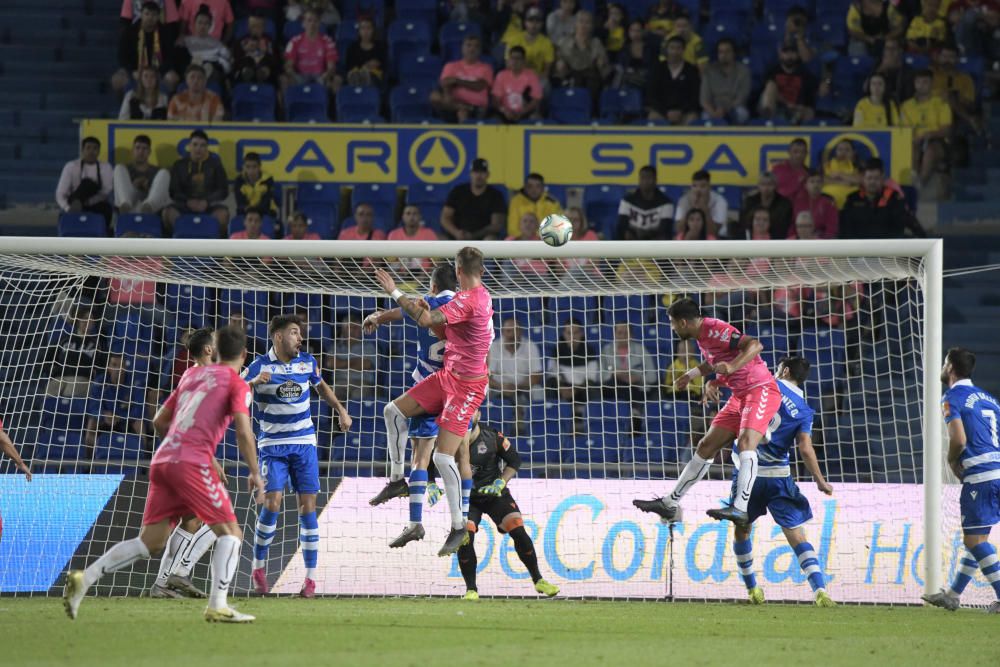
<point x="57" y="445"/>
<point x="64" y="414"/>
<point x="202" y="226"/>
<point x="360" y="305"/>
<point x="357" y="104"/>
<point x="583" y="308"/>
<point x="601" y="204"/>
<point x="118" y="447"/>
<point x="776" y="10"/>
<point x="452" y="35"/>
<point x="353" y="9"/>
<point x="412" y="33"/>
<point x="301" y="302"/>
<point x="428" y="193"/>
<point x="253" y="305"/>
<point x="254" y="102"/>
<point x="409" y="104"/>
<point x="422" y="68"/>
<point x="419" y="10"/>
<point x="347" y="32"/>
<point x="190" y="303"/>
<point x="620" y="105"/>
<point x="498" y="412"/>
<point x="724" y="27"/>
<point x="291" y="29"/>
<point x="849" y="74"/>
<point x="570" y="106"/>
<point x="141" y="224"/>
<point x="319" y="193"/>
<point x="307" y="103"/>
<point x="636" y="309"/>
<point x="381" y="196"/>
<point x="733" y="195"/>
<point x="527" y="309"/>
<point x="132" y="334"/>
<point x="82" y="225"/>
<point x="241" y="28"/>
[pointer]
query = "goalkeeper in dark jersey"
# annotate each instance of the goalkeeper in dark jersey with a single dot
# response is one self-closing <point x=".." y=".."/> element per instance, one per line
<point x="495" y="462"/>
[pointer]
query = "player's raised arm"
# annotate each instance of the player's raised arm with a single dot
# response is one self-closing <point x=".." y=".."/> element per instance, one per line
<point x="749" y="348"/>
<point x="804" y="442"/>
<point x="10" y="450"/>
<point x="416" y="308"/>
<point x="703" y="369"/>
<point x="374" y="320"/>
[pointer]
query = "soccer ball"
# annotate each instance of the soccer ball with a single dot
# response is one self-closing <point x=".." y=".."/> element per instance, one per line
<point x="556" y="230"/>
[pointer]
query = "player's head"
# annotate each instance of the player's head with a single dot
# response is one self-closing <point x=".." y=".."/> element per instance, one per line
<point x="469" y="266"/>
<point x="231" y="345"/>
<point x="685" y="318"/>
<point x="200" y="345"/>
<point x="793" y="369"/>
<point x="958" y="365"/>
<point x="286" y="335"/>
<point x="443" y="278"/>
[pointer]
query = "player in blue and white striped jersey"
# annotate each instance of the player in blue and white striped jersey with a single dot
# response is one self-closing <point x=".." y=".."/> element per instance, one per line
<point x="974" y="456"/>
<point x="774" y="490"/>
<point x="286" y="440"/>
<point x="423" y="429"/>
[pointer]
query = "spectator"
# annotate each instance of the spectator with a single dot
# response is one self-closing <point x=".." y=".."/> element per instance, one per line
<point x="253" y="226"/>
<point x="582" y="61"/>
<point x="517" y="92"/>
<point x="515" y="369"/>
<point x="539" y="51"/>
<point x="685" y="359"/>
<point x="255" y="57"/>
<point x="507" y="22"/>
<point x="958" y="89"/>
<point x="221" y="12"/>
<point x="760" y="225"/>
<point x="114" y="405"/>
<point x="311" y="56"/>
<point x="725" y="87"/>
<point x="350" y="359"/>
<point x="146" y="101"/>
<point x="254" y="187"/>
<point x="627" y="368"/>
<point x="869" y="24"/>
<point x="198" y="185"/>
<point x="328" y="15"/>
<point x="531" y="198"/>
<point x="140" y="186"/>
<point x="85" y="184"/>
<point x="766" y="197"/>
<point x="928" y="30"/>
<point x="146" y="43"/>
<point x="674" y="86"/>
<point x="411" y="228"/>
<point x="202" y="48"/>
<point x="841" y="173"/>
<point x="876" y="211"/>
<point x="876" y="109"/>
<point x="694" y="226"/>
<point x="196" y="104"/>
<point x="930" y="118"/>
<point x="791" y="174"/>
<point x="73" y="355"/>
<point x="465" y="84"/>
<point x="694" y="49"/>
<point x="367" y="57"/>
<point x="805" y="227"/>
<point x="516" y="269"/>
<point x="634" y="59"/>
<point x="645" y="213"/>
<point x="577" y="271"/>
<point x="662" y="16"/>
<point x="790" y="92"/>
<point x="363" y="228"/>
<point x="797" y="33"/>
<point x="582" y="230"/>
<point x="701" y="196"/>
<point x="978" y="22"/>
<point x="298" y="229"/>
<point x="575" y="367"/>
<point x="561" y="23"/>
<point x="474" y="210"/>
<point x="131" y="12"/>
<point x="898" y="75"/>
<point x="612" y="33"/>
<point x="823" y="214"/>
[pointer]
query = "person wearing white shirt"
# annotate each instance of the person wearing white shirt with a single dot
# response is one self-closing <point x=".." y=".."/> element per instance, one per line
<point x="85" y="185"/>
<point x="516" y="368"/>
<point x="702" y="196"/>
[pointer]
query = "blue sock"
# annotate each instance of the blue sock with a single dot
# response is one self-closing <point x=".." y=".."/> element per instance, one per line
<point x="988" y="563"/>
<point x="309" y="541"/>
<point x="418" y="487"/>
<point x="466" y="492"/>
<point x="744" y="561"/>
<point x="810" y="565"/>
<point x="966" y="569"/>
<point x="267" y="523"/>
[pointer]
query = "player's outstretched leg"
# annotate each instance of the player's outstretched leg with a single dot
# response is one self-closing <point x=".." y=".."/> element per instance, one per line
<point x="949" y="597"/>
<point x="419" y="475"/>
<point x="397" y="430"/>
<point x="448" y="470"/>
<point x="526" y="552"/>
<point x="179" y="540"/>
<point x="743" y="548"/>
<point x="467" y="563"/>
<point x="224" y="562"/>
<point x="809" y="562"/>
<point x="179" y="579"/>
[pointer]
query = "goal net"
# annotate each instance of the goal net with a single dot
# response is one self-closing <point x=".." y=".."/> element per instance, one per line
<point x="581" y="372"/>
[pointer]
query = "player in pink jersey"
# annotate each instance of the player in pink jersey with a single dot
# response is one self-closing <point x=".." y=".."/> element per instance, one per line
<point x="182" y="480"/>
<point x="735" y="359"/>
<point x="455" y="392"/>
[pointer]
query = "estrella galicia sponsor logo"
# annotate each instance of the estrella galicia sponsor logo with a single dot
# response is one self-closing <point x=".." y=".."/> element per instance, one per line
<point x="289" y="391"/>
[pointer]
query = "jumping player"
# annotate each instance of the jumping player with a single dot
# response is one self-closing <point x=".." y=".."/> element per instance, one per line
<point x="495" y="462"/>
<point x="735" y="358"/>
<point x="455" y="392"/>
<point x="182" y="480"/>
<point x="8" y="448"/>
<point x="287" y="440"/>
<point x="974" y="456"/>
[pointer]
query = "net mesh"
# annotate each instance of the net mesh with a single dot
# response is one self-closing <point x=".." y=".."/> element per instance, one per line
<point x="91" y="345"/>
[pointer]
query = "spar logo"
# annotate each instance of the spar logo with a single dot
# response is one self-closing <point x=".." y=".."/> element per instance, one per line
<point x="437" y="157"/>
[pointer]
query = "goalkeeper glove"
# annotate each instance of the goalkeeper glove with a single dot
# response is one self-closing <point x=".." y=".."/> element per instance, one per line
<point x="433" y="494"/>
<point x="494" y="489"/>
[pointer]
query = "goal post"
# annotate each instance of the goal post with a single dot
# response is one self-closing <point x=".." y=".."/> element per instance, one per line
<point x="866" y="313"/>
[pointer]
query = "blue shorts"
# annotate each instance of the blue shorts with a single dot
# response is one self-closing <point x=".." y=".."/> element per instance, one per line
<point x="423" y="426"/>
<point x="295" y="466"/>
<point x="781" y="497"/>
<point x="980" y="507"/>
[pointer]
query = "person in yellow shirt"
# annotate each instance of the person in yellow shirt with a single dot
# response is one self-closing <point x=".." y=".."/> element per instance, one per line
<point x="869" y="24"/>
<point x="841" y="175"/>
<point x="928" y="30"/>
<point x="876" y="110"/>
<point x="532" y="198"/>
<point x="538" y="49"/>
<point x="930" y="118"/>
<point x="684" y="360"/>
<point x="694" y="50"/>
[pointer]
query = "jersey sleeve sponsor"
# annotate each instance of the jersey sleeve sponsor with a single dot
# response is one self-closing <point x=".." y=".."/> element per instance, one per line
<point x="314" y="377"/>
<point x="252" y="371"/>
<point x="949" y="412"/>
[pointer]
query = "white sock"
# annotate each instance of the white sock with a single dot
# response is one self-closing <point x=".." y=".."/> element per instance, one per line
<point x="119" y="556"/>
<point x="695" y="469"/>
<point x="397" y="428"/>
<point x="179" y="540"/>
<point x="196" y="548"/>
<point x="745" y="479"/>
<point x="224" y="562"/>
<point x="448" y="470"/>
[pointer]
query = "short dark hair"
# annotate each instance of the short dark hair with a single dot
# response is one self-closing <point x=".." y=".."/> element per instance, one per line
<point x="279" y="323"/>
<point x="684" y="309"/>
<point x="90" y="140"/>
<point x="198" y="134"/>
<point x="798" y="367"/>
<point x="444" y="278"/>
<point x="299" y="215"/>
<point x="725" y="40"/>
<point x="535" y="176"/>
<point x="875" y="164"/>
<point x="516" y="49"/>
<point x="253" y="209"/>
<point x="760" y="209"/>
<point x="701" y="175"/>
<point x="230" y="342"/>
<point x="194" y="67"/>
<point x="924" y="73"/>
<point x="813" y="172"/>
<point x="198" y="340"/>
<point x="470" y="260"/>
<point x="675" y="38"/>
<point x="648" y="169"/>
<point x="798" y="140"/>
<point x="963" y="361"/>
<point x="251" y="157"/>
<point x="142" y="139"/>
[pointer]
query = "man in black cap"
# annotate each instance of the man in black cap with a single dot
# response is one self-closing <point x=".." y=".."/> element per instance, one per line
<point x="474" y="210"/>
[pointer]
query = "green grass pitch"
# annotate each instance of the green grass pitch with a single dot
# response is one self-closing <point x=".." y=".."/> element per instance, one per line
<point x="420" y="632"/>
